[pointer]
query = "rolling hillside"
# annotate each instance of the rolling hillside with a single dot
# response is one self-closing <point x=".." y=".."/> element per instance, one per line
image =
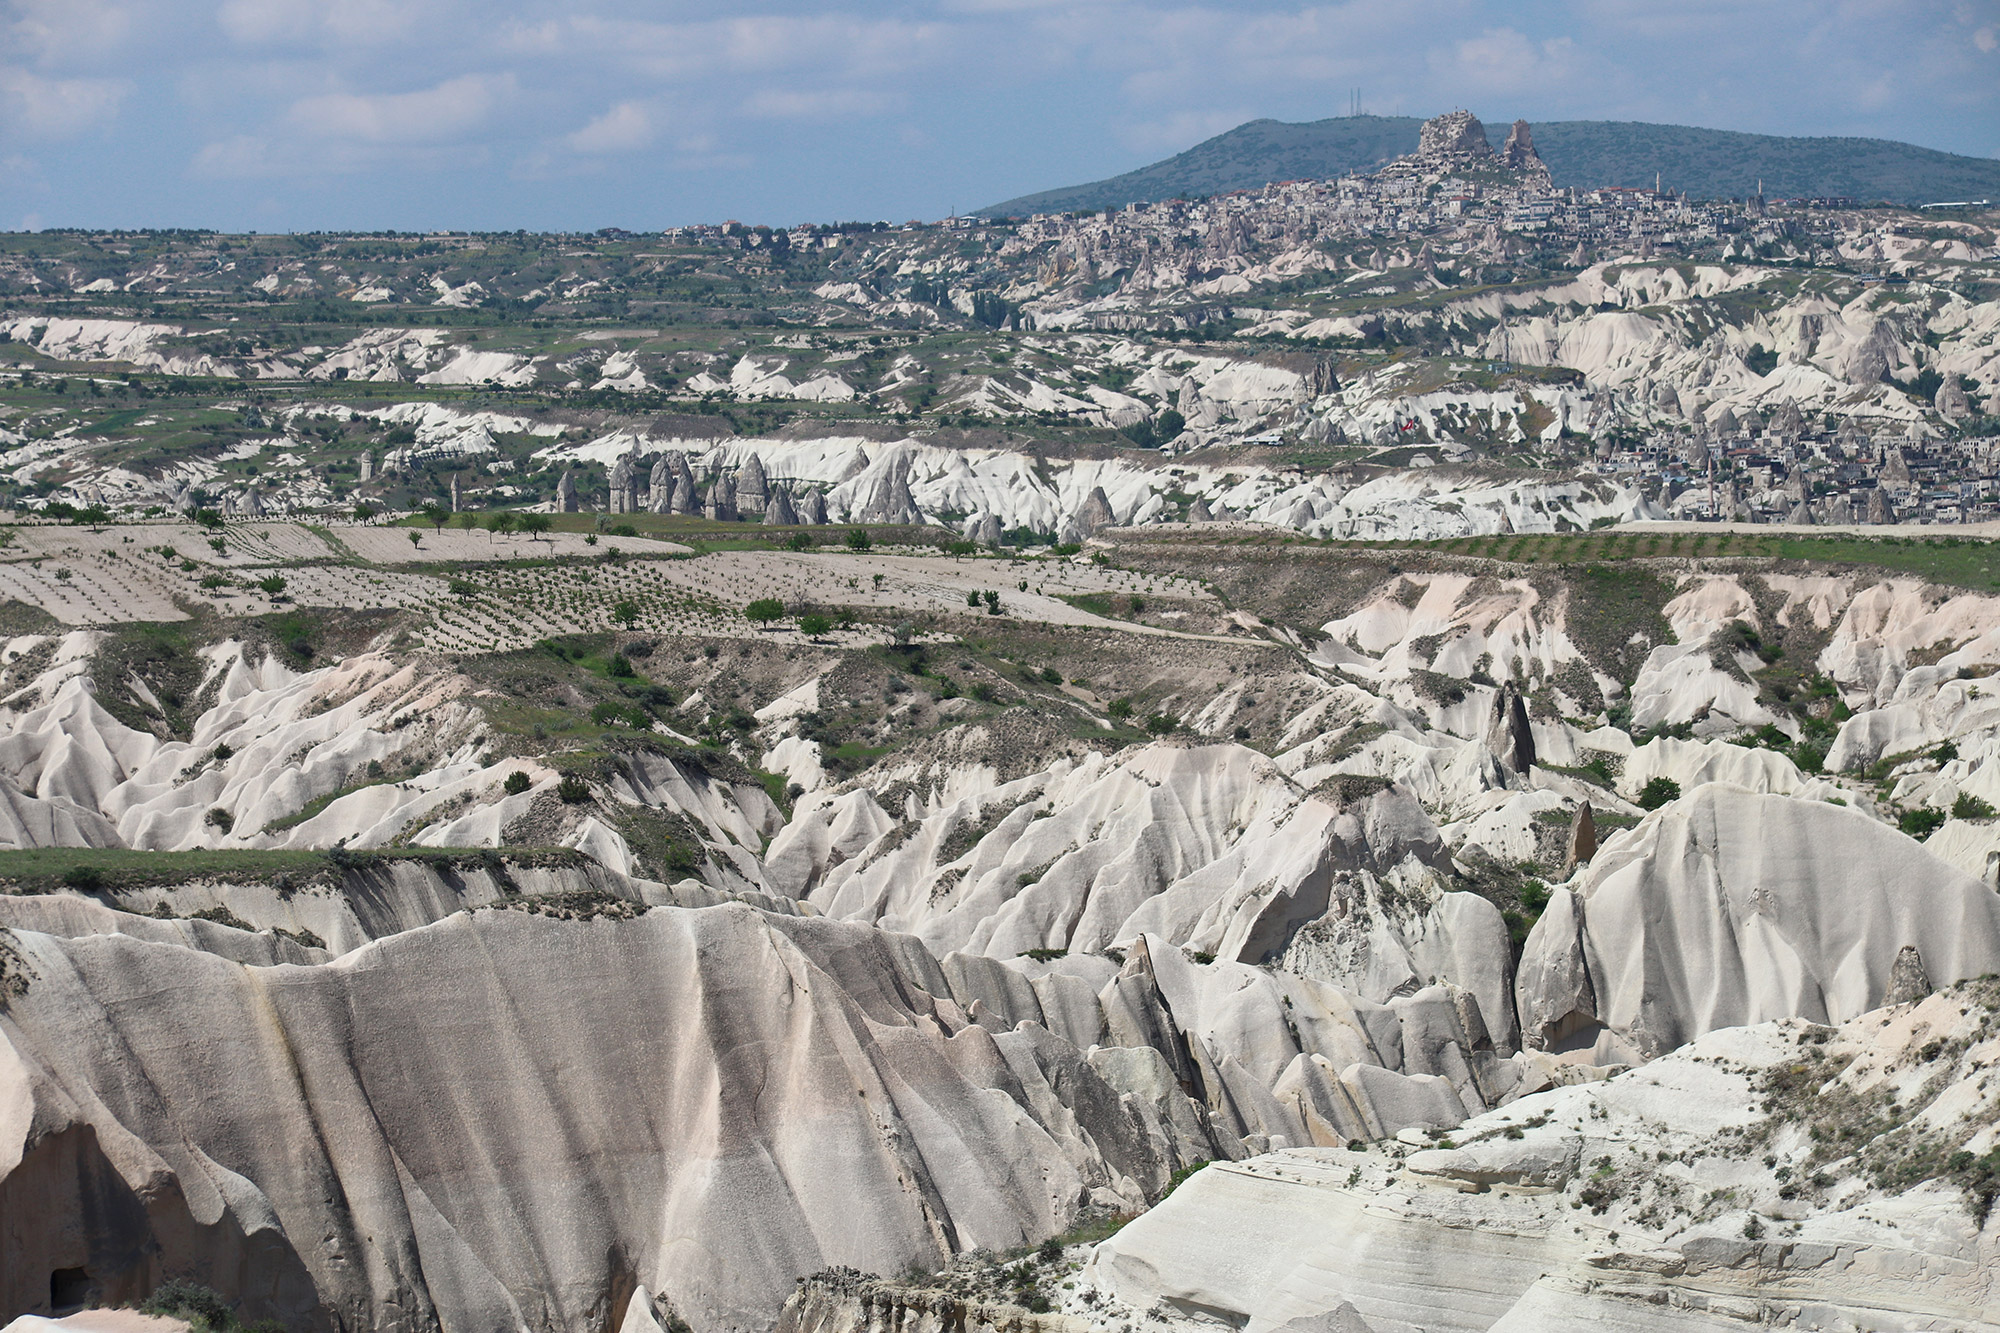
<point x="1704" y="163"/>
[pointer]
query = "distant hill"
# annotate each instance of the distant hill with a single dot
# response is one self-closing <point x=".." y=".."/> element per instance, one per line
<point x="1706" y="164"/>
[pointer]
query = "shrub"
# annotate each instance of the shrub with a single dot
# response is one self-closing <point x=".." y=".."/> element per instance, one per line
<point x="517" y="782"/>
<point x="613" y="714"/>
<point x="1160" y="724"/>
<point x="627" y="613"/>
<point x="1178" y="1178"/>
<point x="972" y="600"/>
<point x="1920" y="823"/>
<point x="1657" y="792"/>
<point x="88" y="878"/>
<point x="1051" y="676"/>
<point x="219" y="818"/>
<point x="272" y="586"/>
<point x="624" y="530"/>
<point x="814" y="626"/>
<point x="198" y="1305"/>
<point x="1120" y="708"/>
<point x="798" y="541"/>
<point x="572" y="790"/>
<point x="621" y="666"/>
<point x="857" y="539"/>
<point x="1968" y="806"/>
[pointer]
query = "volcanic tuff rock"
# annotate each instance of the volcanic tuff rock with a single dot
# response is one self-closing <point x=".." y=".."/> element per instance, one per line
<point x="1684" y="1195"/>
<point x="1112" y="962"/>
<point x="1729" y="908"/>
<point x="790" y="1093"/>
<point x="1454" y="133"/>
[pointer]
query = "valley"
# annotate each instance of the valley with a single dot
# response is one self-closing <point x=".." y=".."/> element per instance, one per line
<point x="1310" y="760"/>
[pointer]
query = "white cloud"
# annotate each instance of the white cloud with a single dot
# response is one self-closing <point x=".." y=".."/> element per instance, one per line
<point x="622" y="129"/>
<point x="63" y="32"/>
<point x="35" y="107"/>
<point x="1502" y="60"/>
<point x="430" y="115"/>
<point x="329" y="22"/>
<point x="826" y="104"/>
<point x="1180" y="130"/>
<point x="837" y="45"/>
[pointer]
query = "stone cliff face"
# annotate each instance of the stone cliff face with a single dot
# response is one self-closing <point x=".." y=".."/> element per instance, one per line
<point x="1723" y="1184"/>
<point x="1453" y="134"/>
<point x="778" y="1093"/>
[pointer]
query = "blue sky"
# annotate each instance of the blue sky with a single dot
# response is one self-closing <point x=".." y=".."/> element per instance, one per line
<point x="296" y="115"/>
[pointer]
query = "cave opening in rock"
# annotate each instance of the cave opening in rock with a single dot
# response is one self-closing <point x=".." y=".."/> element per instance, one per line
<point x="69" y="1288"/>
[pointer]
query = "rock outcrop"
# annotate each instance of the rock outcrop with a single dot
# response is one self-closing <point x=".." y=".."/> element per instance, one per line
<point x="1454" y="134"/>
<point x="778" y="508"/>
<point x="1093" y="515"/>
<point x="1509" y="737"/>
<point x="1728" y="908"/>
<point x="753" y="488"/>
<point x="1687" y="1195"/>
<point x="711" y="1103"/>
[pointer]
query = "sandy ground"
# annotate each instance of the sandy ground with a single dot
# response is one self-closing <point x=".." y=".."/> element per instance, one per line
<point x="98" y="1321"/>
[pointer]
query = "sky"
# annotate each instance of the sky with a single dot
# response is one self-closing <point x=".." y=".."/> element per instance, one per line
<point x="418" y="115"/>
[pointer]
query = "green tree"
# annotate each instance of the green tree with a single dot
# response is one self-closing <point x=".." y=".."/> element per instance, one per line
<point x="814" y="626"/>
<point x="857" y="539"/>
<point x="517" y="782"/>
<point x="799" y="541"/>
<point x="273" y="586"/>
<point x="416" y="539"/>
<point x="536" y="524"/>
<point x="503" y="522"/>
<point x="627" y="613"/>
<point x="1920" y="823"/>
<point x="435" y="514"/>
<point x="362" y="512"/>
<point x="1657" y="792"/>
<point x="764" y="611"/>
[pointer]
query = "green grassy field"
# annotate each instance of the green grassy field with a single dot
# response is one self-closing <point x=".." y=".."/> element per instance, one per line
<point x="43" y="869"/>
<point x="1962" y="562"/>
